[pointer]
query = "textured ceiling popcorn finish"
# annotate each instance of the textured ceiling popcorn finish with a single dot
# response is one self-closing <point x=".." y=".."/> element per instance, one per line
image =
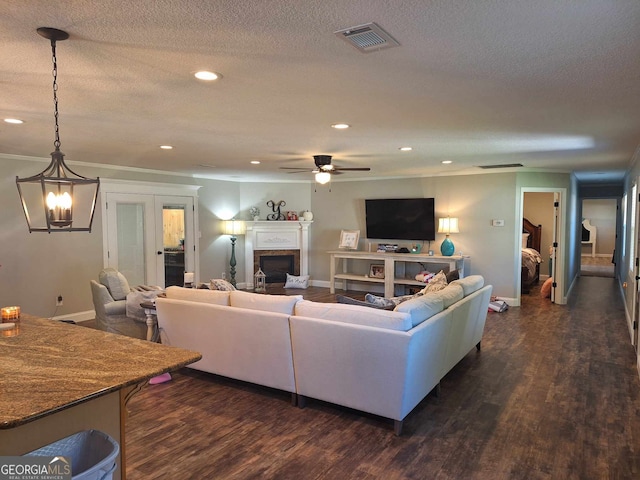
<point x="550" y="85"/>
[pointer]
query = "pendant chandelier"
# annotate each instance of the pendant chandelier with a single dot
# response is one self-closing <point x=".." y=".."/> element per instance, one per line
<point x="57" y="199"/>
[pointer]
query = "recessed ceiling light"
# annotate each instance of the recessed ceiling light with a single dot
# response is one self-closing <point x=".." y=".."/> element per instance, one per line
<point x="207" y="76"/>
<point x="340" y="126"/>
<point x="405" y="149"/>
<point x="446" y="162"/>
<point x="255" y="162"/>
<point x="16" y="121"/>
<point x="166" y="147"/>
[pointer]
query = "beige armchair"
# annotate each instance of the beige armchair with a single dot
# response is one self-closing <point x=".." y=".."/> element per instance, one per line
<point x="110" y="303"/>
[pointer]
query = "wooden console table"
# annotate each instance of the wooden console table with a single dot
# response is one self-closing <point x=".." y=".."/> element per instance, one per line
<point x="394" y="268"/>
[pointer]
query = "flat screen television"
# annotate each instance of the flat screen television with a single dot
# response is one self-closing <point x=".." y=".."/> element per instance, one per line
<point x="400" y="218"/>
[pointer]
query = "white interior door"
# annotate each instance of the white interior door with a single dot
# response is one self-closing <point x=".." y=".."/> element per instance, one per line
<point x="130" y="247"/>
<point x="555" y="245"/>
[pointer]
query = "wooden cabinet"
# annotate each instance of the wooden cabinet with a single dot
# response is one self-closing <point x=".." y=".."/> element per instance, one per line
<point x="394" y="264"/>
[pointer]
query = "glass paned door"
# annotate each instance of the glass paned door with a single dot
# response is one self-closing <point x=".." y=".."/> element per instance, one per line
<point x="173" y="237"/>
<point x="130" y="218"/>
<point x="131" y="248"/>
<point x="150" y="238"/>
<point x="175" y="233"/>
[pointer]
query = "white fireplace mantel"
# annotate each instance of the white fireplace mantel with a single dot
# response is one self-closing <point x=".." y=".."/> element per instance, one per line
<point x="276" y="235"/>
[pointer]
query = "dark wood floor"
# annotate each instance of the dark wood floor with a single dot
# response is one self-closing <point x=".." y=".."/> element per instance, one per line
<point x="554" y="394"/>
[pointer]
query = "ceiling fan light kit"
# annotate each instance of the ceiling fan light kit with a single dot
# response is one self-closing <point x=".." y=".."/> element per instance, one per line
<point x="325" y="169"/>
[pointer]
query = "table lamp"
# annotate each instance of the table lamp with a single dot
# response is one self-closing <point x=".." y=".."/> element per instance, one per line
<point x="447" y="225"/>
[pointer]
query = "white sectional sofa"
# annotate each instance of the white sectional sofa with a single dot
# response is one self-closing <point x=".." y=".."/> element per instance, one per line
<point x="240" y="335"/>
<point x="377" y="361"/>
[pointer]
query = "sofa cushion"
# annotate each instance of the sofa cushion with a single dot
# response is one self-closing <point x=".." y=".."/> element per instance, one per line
<point x="214" y="297"/>
<point x="422" y="307"/>
<point x="115" y="282"/>
<point x="266" y="303"/>
<point x="338" y="312"/>
<point x="451" y="294"/>
<point x="470" y="284"/>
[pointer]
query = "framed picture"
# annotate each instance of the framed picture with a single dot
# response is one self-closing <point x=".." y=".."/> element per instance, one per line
<point x="349" y="239"/>
<point x="376" y="270"/>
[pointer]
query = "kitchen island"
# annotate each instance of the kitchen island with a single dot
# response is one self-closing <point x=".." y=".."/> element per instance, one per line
<point x="57" y="379"/>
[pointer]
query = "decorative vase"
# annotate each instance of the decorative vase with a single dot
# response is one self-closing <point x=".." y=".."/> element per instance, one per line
<point x="256" y="218"/>
<point x="307" y="216"/>
<point x="447" y="248"/>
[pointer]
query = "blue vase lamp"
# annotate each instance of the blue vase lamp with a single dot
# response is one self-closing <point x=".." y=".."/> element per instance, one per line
<point x="447" y="225"/>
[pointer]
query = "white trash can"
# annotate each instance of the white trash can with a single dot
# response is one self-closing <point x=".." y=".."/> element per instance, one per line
<point x="93" y="454"/>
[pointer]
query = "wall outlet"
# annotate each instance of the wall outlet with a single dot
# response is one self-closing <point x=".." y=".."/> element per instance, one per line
<point x="224" y="275"/>
<point x="59" y="301"/>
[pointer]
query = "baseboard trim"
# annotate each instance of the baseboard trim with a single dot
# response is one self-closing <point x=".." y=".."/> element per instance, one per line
<point x="77" y="317"/>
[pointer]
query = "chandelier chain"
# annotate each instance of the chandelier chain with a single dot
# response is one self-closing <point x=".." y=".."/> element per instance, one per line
<point x="56" y="143"/>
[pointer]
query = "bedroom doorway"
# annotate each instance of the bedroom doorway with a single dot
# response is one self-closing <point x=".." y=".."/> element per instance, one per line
<point x="545" y="207"/>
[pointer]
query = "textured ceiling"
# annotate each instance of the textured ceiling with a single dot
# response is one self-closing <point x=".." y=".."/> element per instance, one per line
<point x="554" y="85"/>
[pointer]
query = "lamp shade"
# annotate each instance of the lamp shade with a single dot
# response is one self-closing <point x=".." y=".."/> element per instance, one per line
<point x="448" y="225"/>
<point x="233" y="227"/>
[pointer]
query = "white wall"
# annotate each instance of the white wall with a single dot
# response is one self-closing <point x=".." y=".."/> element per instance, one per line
<point x="474" y="199"/>
<point x="601" y="213"/>
<point x="37" y="267"/>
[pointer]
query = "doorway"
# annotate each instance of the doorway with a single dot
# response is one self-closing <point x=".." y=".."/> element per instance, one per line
<point x="150" y="238"/>
<point x="547" y="208"/>
<point x="598" y="239"/>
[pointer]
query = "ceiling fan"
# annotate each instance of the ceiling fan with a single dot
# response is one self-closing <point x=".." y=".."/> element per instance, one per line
<point x="324" y="168"/>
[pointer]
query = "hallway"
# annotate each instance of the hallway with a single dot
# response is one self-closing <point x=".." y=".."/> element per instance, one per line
<point x="554" y="394"/>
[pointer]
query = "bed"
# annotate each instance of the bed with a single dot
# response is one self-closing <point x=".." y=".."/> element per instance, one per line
<point x="531" y="259"/>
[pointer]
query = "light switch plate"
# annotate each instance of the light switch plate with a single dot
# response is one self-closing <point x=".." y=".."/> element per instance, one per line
<point x="497" y="223"/>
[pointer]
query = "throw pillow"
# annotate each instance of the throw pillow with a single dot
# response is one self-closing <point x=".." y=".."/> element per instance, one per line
<point x="388" y="302"/>
<point x="353" y="301"/>
<point x="438" y="282"/>
<point x="220" y="284"/>
<point x="297" y="282"/>
<point x="453" y="275"/>
<point x="116" y="283"/>
<point x="380" y="302"/>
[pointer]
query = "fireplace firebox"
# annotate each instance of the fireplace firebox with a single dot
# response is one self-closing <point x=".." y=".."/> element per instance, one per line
<point x="277" y="263"/>
<point x="276" y="267"/>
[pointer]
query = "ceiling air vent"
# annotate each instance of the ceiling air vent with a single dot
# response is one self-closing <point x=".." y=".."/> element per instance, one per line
<point x="367" y="38"/>
<point x="502" y="165"/>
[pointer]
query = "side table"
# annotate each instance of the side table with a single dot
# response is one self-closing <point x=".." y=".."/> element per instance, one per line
<point x="152" y="320"/>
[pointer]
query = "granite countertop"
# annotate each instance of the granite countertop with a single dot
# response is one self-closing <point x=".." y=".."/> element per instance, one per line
<point x="47" y="366"/>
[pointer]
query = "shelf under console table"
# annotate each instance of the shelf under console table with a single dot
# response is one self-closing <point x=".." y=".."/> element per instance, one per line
<point x="394" y="268"/>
